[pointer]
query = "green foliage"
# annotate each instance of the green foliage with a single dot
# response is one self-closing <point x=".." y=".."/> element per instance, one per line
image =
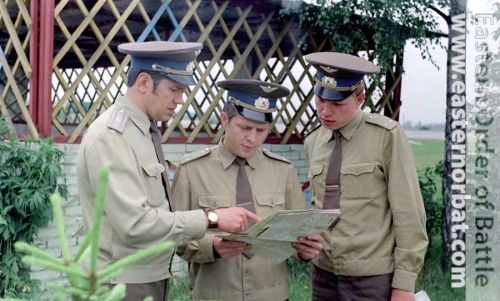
<point x="31" y="171"/>
<point x="85" y="285"/>
<point x="436" y="280"/>
<point x="433" y="207"/>
<point x="178" y="289"/>
<point x="299" y="280"/>
<point x="379" y="27"/>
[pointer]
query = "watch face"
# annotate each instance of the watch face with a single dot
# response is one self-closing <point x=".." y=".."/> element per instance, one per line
<point x="212" y="216"/>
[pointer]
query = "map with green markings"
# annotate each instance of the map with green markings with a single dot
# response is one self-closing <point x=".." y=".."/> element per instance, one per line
<point x="271" y="238"/>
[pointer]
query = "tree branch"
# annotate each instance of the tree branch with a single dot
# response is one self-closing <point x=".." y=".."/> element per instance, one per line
<point x="440" y="13"/>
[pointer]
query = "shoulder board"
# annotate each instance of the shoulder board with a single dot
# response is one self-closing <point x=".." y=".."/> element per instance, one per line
<point x="314" y="129"/>
<point x="194" y="155"/>
<point x="275" y="156"/>
<point x="383" y="121"/>
<point x="118" y="120"/>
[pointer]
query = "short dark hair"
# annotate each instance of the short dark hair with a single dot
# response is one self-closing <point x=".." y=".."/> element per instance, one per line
<point x="360" y="89"/>
<point x="133" y="74"/>
<point x="230" y="110"/>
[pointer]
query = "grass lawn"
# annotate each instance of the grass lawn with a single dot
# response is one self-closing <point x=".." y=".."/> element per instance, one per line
<point x="435" y="281"/>
<point x="427" y="152"/>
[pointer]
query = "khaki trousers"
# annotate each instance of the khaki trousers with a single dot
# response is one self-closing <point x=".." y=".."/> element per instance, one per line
<point x="138" y="291"/>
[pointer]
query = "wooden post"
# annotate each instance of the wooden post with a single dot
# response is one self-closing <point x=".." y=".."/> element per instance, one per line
<point x="45" y="71"/>
<point x="33" y="109"/>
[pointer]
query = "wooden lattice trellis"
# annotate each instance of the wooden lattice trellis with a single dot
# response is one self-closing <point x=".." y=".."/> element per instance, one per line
<point x="242" y="39"/>
<point x="15" y="68"/>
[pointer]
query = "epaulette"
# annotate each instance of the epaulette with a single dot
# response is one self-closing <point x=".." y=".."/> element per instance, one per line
<point x="194" y="155"/>
<point x="118" y="120"/>
<point x="275" y="156"/>
<point x="383" y="121"/>
<point x="309" y="133"/>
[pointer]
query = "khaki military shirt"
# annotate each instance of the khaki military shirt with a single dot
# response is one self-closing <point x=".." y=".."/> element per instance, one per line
<point x="381" y="228"/>
<point x="136" y="212"/>
<point x="207" y="179"/>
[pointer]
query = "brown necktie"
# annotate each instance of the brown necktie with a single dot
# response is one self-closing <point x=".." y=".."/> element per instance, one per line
<point x="332" y="188"/>
<point x="244" y="196"/>
<point x="155" y="134"/>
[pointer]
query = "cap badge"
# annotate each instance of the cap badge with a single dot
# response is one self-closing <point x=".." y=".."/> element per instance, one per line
<point x="328" y="69"/>
<point x="268" y="89"/>
<point x="329" y="81"/>
<point x="262" y="103"/>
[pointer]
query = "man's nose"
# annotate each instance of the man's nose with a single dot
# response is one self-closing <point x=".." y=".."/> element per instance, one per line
<point x="327" y="110"/>
<point x="252" y="135"/>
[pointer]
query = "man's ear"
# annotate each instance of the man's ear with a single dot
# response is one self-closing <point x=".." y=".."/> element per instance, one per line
<point x="143" y="82"/>
<point x="360" y="99"/>
<point x="224" y="119"/>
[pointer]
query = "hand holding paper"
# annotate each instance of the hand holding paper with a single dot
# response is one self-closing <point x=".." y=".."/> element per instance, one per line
<point x="271" y="238"/>
<point x="309" y="247"/>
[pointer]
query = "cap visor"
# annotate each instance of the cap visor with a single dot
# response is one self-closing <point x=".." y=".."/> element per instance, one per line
<point x="254" y="115"/>
<point x="187" y="80"/>
<point x="330" y="94"/>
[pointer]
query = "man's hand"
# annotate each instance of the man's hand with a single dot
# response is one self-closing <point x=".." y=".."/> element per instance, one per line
<point x="309" y="247"/>
<point x="234" y="219"/>
<point x="229" y="249"/>
<point x="401" y="295"/>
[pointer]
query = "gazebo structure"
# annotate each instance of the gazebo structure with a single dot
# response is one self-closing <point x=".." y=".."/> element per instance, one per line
<point x="60" y="68"/>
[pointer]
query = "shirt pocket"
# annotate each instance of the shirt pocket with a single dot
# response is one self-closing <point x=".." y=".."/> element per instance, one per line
<point x="357" y="180"/>
<point x="214" y="201"/>
<point x="154" y="184"/>
<point x="317" y="182"/>
<point x="269" y="203"/>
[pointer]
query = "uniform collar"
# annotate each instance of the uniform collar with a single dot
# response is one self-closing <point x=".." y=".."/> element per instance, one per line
<point x="227" y="157"/>
<point x="348" y="130"/>
<point x="138" y="117"/>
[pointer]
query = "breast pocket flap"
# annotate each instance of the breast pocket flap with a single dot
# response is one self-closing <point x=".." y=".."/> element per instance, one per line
<point x="214" y="201"/>
<point x="315" y="170"/>
<point x="153" y="170"/>
<point x="270" y="200"/>
<point x="357" y="169"/>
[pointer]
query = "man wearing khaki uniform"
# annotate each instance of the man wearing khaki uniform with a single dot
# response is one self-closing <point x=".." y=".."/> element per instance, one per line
<point x="362" y="164"/>
<point x="237" y="172"/>
<point x="137" y="211"/>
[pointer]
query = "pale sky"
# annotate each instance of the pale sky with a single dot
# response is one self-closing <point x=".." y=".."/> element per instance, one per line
<point x="424" y="86"/>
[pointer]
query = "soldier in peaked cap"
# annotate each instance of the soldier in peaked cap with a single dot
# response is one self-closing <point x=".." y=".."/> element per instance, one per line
<point x="138" y="210"/>
<point x="237" y="172"/>
<point x="362" y="164"/>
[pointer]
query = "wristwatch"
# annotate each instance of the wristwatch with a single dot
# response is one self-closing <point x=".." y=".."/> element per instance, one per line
<point x="213" y="218"/>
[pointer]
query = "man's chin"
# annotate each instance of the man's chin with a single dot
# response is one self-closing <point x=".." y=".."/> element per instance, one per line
<point x="331" y="127"/>
<point x="164" y="118"/>
<point x="245" y="153"/>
